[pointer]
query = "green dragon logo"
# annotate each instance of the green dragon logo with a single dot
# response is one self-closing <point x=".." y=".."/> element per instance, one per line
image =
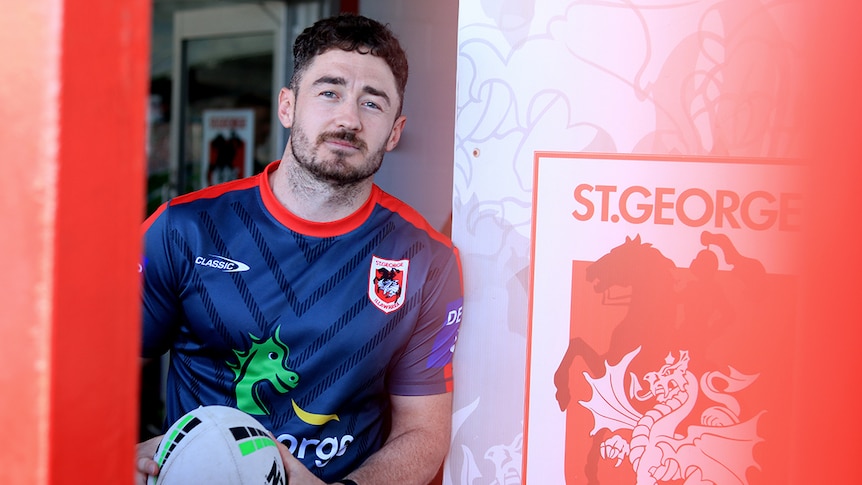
<point x="266" y="360"/>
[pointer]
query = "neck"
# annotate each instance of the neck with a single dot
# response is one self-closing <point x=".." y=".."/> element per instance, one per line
<point x="315" y="200"/>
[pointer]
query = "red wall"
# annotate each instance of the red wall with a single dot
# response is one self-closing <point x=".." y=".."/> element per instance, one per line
<point x="73" y="97"/>
<point x="829" y="354"/>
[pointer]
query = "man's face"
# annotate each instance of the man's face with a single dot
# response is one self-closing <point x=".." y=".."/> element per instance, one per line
<point x="343" y="116"/>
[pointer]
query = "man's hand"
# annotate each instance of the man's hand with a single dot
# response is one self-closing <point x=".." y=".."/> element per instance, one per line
<point x="296" y="472"/>
<point x="144" y="463"/>
<point x="417" y="443"/>
<point x="411" y="455"/>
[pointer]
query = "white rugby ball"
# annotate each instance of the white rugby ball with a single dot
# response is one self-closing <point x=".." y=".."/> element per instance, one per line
<point x="218" y="445"/>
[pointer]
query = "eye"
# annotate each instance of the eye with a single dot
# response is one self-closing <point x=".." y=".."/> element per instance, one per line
<point x="328" y="94"/>
<point x="372" y="105"/>
<point x="273" y="356"/>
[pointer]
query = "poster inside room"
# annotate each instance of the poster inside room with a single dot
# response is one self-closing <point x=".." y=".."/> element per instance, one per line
<point x="228" y="145"/>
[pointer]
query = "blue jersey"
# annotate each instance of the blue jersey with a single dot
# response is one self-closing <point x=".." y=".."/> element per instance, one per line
<point x="308" y="327"/>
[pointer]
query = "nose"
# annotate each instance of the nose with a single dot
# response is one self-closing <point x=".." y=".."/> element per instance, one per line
<point x="347" y="115"/>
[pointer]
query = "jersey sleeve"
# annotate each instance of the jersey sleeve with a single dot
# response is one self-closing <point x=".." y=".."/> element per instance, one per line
<point x="425" y="367"/>
<point x="160" y="304"/>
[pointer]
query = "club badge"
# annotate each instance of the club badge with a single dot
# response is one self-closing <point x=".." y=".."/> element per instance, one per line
<point x="387" y="283"/>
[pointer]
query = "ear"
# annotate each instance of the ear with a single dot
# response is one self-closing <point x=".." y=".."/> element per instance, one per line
<point x="395" y="134"/>
<point x="286" y="105"/>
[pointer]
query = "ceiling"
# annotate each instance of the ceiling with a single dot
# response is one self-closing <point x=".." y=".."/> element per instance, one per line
<point x="161" y="55"/>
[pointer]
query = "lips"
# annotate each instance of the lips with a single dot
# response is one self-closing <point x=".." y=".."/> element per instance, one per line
<point x="346" y="139"/>
<point x="340" y="143"/>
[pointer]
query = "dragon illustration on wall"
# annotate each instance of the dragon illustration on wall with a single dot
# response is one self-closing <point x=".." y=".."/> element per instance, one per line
<point x="717" y="451"/>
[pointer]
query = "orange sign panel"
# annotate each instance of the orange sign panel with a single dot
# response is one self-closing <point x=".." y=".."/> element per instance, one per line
<point x="662" y="319"/>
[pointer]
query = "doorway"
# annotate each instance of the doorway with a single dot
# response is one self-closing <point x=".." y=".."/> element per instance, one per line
<point x="212" y="111"/>
<point x="229" y="63"/>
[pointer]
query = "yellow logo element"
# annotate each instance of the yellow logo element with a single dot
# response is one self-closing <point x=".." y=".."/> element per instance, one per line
<point x="312" y="418"/>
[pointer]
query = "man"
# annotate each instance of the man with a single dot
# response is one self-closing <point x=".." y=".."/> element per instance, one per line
<point x="305" y="295"/>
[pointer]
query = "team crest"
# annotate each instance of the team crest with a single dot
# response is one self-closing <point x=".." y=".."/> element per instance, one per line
<point x="387" y="283"/>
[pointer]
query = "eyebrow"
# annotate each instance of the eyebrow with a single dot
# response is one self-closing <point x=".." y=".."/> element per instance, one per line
<point x="340" y="81"/>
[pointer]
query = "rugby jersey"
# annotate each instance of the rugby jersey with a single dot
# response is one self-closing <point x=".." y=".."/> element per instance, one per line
<point x="306" y="326"/>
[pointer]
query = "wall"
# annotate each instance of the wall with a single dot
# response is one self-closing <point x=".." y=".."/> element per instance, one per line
<point x="419" y="170"/>
<point x="714" y="98"/>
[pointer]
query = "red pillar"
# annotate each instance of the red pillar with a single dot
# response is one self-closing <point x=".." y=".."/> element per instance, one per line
<point x="73" y="101"/>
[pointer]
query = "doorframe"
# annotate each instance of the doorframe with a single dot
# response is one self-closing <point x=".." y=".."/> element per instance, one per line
<point x="243" y="19"/>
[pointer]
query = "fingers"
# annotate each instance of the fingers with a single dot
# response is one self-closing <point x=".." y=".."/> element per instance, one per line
<point x="297" y="473"/>
<point x="145" y="467"/>
<point x="284" y="451"/>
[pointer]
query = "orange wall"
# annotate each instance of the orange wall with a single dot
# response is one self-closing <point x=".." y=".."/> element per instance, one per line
<point x="73" y="99"/>
<point x="829" y="355"/>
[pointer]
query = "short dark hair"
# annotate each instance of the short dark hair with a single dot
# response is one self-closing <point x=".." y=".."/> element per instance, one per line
<point x="351" y="33"/>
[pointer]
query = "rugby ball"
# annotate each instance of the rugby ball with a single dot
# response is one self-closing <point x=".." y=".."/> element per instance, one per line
<point x="218" y="445"/>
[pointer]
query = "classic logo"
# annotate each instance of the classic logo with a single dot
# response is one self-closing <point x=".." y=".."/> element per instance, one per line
<point x="387" y="283"/>
<point x="222" y="263"/>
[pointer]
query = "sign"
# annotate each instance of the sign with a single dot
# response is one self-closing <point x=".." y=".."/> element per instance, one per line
<point x="228" y="145"/>
<point x="662" y="320"/>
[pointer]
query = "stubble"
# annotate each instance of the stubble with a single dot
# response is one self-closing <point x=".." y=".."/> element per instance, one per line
<point x="334" y="170"/>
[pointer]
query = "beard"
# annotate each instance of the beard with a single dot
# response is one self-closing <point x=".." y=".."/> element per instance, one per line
<point x="334" y="170"/>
